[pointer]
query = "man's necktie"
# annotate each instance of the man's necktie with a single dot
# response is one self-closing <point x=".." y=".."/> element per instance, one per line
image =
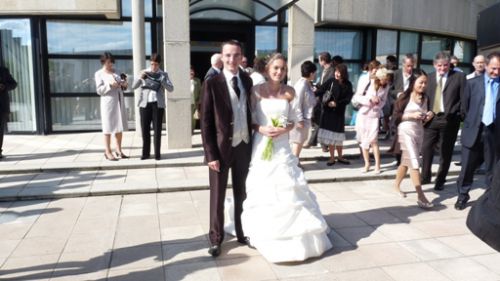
<point x="488" y="104"/>
<point x="234" y="85"/>
<point x="437" y="97"/>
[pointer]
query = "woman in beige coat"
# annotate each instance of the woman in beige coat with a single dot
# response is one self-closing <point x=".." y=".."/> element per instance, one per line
<point x="110" y="86"/>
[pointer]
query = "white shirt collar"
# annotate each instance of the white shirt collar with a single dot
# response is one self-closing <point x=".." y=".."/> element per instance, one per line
<point x="229" y="75"/>
<point x="445" y="76"/>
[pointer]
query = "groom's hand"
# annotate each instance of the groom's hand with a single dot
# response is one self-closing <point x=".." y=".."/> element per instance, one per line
<point x="214" y="165"/>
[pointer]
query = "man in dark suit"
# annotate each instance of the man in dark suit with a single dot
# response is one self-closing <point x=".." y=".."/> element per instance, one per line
<point x="216" y="67"/>
<point x="226" y="134"/>
<point x="7" y="83"/>
<point x="481" y="105"/>
<point x="484" y="217"/>
<point x="445" y="90"/>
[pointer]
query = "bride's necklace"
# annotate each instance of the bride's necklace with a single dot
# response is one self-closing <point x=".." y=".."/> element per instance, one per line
<point x="276" y="93"/>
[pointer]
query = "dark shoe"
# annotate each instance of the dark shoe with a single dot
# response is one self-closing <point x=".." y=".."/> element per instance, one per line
<point x="425" y="181"/>
<point x="121" y="155"/>
<point x="462" y="201"/>
<point x="458" y="163"/>
<point x="214" y="250"/>
<point x="112" y="158"/>
<point x="325" y="148"/>
<point x="343" y="161"/>
<point x="246" y="241"/>
<point x="330" y="163"/>
<point x="158" y="157"/>
<point x="439" y="185"/>
<point x="144" y="157"/>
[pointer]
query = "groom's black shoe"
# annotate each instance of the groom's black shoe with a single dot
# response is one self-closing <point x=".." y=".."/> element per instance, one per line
<point x="214" y="250"/>
<point x="246" y="241"/>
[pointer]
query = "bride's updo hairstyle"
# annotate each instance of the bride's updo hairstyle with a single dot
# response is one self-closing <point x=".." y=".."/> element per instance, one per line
<point x="274" y="57"/>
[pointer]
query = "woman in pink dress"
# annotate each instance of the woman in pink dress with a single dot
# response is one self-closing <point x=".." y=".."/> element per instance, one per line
<point x="367" y="121"/>
<point x="410" y="114"/>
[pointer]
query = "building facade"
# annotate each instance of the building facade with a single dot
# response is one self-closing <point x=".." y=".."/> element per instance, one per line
<point x="53" y="54"/>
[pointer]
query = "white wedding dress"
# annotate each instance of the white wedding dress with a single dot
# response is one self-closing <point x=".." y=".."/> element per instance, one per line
<point x="280" y="214"/>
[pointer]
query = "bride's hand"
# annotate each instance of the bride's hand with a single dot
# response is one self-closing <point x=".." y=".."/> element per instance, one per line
<point x="269" y="131"/>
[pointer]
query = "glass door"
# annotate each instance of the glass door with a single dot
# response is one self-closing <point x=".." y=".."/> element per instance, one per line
<point x="16" y="55"/>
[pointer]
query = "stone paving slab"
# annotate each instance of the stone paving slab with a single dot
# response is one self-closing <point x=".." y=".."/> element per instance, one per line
<point x="163" y="236"/>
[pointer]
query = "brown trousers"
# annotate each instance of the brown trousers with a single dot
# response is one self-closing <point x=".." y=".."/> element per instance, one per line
<point x="218" y="183"/>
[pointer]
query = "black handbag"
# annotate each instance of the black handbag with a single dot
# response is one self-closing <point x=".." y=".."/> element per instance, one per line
<point x="327" y="96"/>
<point x="152" y="81"/>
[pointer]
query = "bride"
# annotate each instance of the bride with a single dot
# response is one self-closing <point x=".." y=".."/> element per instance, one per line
<point x="280" y="214"/>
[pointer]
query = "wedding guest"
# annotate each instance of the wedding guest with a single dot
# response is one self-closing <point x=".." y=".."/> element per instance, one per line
<point x="7" y="83"/>
<point x="244" y="65"/>
<point x="110" y="86"/>
<point x="479" y="67"/>
<point x="153" y="82"/>
<point x="411" y="111"/>
<point x="216" y="67"/>
<point x="363" y="80"/>
<point x="304" y="102"/>
<point x="367" y="123"/>
<point x="259" y="70"/>
<point x="336" y="95"/>
<point x="195" y="98"/>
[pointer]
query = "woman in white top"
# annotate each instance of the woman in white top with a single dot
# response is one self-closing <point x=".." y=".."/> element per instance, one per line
<point x="153" y="82"/>
<point x="110" y="86"/>
<point x="304" y="102"/>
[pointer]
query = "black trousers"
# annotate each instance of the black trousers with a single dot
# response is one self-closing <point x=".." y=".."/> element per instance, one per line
<point x="3" y="127"/>
<point x="483" y="150"/>
<point x="218" y="184"/>
<point x="151" y="114"/>
<point x="442" y="133"/>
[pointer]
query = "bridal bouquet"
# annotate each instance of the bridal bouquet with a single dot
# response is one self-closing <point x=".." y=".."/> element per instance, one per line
<point x="281" y="121"/>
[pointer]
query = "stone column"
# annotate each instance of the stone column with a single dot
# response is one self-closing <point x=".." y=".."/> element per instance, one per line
<point x="176" y="46"/>
<point x="138" y="51"/>
<point x="300" y="37"/>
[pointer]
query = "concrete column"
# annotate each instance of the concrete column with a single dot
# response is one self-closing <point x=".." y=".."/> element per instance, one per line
<point x="300" y="37"/>
<point x="176" y="47"/>
<point x="138" y="50"/>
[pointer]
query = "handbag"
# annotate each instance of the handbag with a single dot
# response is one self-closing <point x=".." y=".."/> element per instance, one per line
<point x="152" y="81"/>
<point x="355" y="103"/>
<point x="328" y="94"/>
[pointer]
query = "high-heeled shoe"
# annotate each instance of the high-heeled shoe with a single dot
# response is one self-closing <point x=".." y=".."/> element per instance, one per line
<point x="110" y="158"/>
<point x="424" y="205"/>
<point x="121" y="155"/>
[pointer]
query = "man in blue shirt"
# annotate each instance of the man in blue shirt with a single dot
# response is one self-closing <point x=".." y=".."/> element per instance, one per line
<point x="481" y="101"/>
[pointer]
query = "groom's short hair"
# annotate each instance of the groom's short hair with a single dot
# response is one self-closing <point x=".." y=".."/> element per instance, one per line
<point x="231" y="42"/>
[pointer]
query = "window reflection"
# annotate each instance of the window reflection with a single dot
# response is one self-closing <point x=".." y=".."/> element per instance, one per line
<point x="77" y="75"/>
<point x="408" y="44"/>
<point x="265" y="40"/>
<point x="345" y="43"/>
<point x="94" y="37"/>
<point x="16" y="55"/>
<point x="434" y="44"/>
<point x="127" y="8"/>
<point x="386" y="44"/>
<point x="83" y="113"/>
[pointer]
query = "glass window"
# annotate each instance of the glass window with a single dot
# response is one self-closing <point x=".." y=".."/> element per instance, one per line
<point x="77" y="75"/>
<point x="408" y="44"/>
<point x="127" y="8"/>
<point x="16" y="53"/>
<point x="345" y="43"/>
<point x="433" y="44"/>
<point x="284" y="41"/>
<point x="429" y="68"/>
<point x="463" y="51"/>
<point x="386" y="44"/>
<point x="266" y="40"/>
<point x="83" y="113"/>
<point x="94" y="37"/>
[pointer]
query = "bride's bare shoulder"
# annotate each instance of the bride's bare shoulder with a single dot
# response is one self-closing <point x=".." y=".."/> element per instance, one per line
<point x="288" y="92"/>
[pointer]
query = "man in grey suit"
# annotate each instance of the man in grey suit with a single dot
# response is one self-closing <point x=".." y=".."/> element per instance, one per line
<point x="481" y="102"/>
<point x="216" y="67"/>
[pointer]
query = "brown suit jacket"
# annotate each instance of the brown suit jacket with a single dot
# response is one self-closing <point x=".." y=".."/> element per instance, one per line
<point x="217" y="118"/>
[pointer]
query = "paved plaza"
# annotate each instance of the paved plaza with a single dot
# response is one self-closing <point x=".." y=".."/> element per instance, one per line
<point x="67" y="214"/>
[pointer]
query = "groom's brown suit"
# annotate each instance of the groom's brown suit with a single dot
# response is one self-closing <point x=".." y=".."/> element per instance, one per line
<point x="217" y="134"/>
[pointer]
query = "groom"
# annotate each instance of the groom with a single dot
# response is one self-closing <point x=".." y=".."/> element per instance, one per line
<point x="226" y="134"/>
